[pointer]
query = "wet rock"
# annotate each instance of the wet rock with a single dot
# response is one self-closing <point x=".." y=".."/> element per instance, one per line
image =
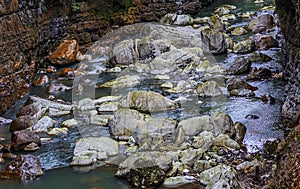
<point x="239" y="87"/>
<point x="146" y="175"/>
<point x="227" y="17"/>
<point x="42" y="80"/>
<point x="152" y="158"/>
<point x="4" y="121"/>
<point x="239" y="65"/>
<point x="264" y="42"/>
<point x="22" y="122"/>
<point x="67" y="72"/>
<point x="214" y="41"/>
<point x="262" y="23"/>
<point x="178" y="181"/>
<point x="24" y="167"/>
<point x="58" y="131"/>
<point x="225" y="141"/>
<point x="209" y="89"/>
<point x="51" y="104"/>
<point x="44" y="124"/>
<point x="268" y="99"/>
<point x="57" y="87"/>
<point x="241" y="130"/>
<point x="31" y="147"/>
<point x="147" y="101"/>
<point x="239" y="31"/>
<point x="91" y="149"/>
<point x="70" y="123"/>
<point x="251" y="116"/>
<point x="221" y="175"/>
<point x="259" y="57"/>
<point x="20" y="139"/>
<point x="204" y="140"/>
<point x="65" y="53"/>
<point x="123" y="82"/>
<point x="243" y="47"/>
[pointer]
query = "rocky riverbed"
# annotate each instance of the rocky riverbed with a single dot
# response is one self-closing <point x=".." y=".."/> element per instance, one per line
<point x="190" y="102"/>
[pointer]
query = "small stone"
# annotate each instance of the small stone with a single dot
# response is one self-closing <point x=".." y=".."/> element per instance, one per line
<point x="42" y="80"/>
<point x="58" y="131"/>
<point x="162" y="77"/>
<point x="67" y="72"/>
<point x="31" y="147"/>
<point x="167" y="85"/>
<point x="70" y="123"/>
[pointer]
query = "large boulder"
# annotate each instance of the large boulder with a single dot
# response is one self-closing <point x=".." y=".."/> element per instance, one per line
<point x="20" y="139"/>
<point x="217" y="123"/>
<point x="89" y="150"/>
<point x="221" y="176"/>
<point x="22" y="122"/>
<point x="23" y="167"/>
<point x="246" y="46"/>
<point x="239" y="65"/>
<point x="145" y="160"/>
<point x="65" y="53"/>
<point x="214" y="41"/>
<point x="147" y="101"/>
<point x="262" y="23"/>
<point x="209" y="89"/>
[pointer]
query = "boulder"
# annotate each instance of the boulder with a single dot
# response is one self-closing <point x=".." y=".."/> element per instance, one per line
<point x="239" y="65"/>
<point x="260" y="74"/>
<point x="178" y="181"/>
<point x="262" y="23"/>
<point x="22" y="122"/>
<point x="239" y="87"/>
<point x="221" y="176"/>
<point x="264" y="42"/>
<point x="202" y="165"/>
<point x="240" y="130"/>
<point x="175" y="19"/>
<point x="30" y="109"/>
<point x="225" y="141"/>
<point x="243" y="47"/>
<point x="259" y="57"/>
<point x="23" y="167"/>
<point x="125" y="123"/>
<point x="145" y="160"/>
<point x="147" y="101"/>
<point x="20" y="139"/>
<point x="204" y="140"/>
<point x="239" y="31"/>
<point x="58" y="131"/>
<point x="121" y="82"/>
<point x="44" y="124"/>
<point x="214" y="41"/>
<point x="65" y="53"/>
<point x="91" y="149"/>
<point x="209" y="89"/>
<point x="217" y="123"/>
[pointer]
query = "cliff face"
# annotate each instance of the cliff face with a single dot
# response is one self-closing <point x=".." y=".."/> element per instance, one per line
<point x="289" y="16"/>
<point x="30" y="29"/>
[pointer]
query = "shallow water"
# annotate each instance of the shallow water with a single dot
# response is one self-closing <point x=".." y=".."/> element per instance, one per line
<point x="56" y="155"/>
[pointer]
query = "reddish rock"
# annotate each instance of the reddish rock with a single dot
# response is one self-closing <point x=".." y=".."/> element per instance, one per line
<point x="51" y="69"/>
<point x="22" y="122"/>
<point x="20" y="139"/>
<point x="42" y="80"/>
<point x="24" y="167"/>
<point x="65" y="53"/>
<point x="67" y="72"/>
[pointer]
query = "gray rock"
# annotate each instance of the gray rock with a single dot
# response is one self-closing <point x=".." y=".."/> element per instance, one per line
<point x="241" y="130"/>
<point x="70" y="123"/>
<point x="262" y="23"/>
<point x="108" y="107"/>
<point x="225" y="141"/>
<point x="51" y="104"/>
<point x="143" y="160"/>
<point x="220" y="173"/>
<point x="89" y="150"/>
<point x="100" y="119"/>
<point x="122" y="82"/>
<point x="44" y="124"/>
<point x="239" y="87"/>
<point x="178" y="181"/>
<point x="214" y="41"/>
<point x="209" y="89"/>
<point x="175" y="19"/>
<point x="86" y="104"/>
<point x="147" y="101"/>
<point x="246" y="46"/>
<point x="239" y="31"/>
<point x="239" y="65"/>
<point x="204" y="140"/>
<point x="189" y="156"/>
<point x="202" y="165"/>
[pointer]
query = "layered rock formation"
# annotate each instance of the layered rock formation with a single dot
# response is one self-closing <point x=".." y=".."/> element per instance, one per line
<point x="30" y="29"/>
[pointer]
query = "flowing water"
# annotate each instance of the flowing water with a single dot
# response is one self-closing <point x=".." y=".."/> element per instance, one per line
<point x="56" y="155"/>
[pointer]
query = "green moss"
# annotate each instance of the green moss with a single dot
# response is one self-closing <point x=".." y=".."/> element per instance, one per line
<point x="75" y="6"/>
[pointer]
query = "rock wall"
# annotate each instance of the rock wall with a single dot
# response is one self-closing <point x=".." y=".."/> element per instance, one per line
<point x="289" y="15"/>
<point x="30" y="29"/>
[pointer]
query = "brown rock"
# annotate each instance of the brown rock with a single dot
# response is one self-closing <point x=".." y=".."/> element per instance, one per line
<point x="260" y="74"/>
<point x="67" y="72"/>
<point x="24" y="167"/>
<point x="238" y="84"/>
<point x="42" y="80"/>
<point x="20" y="139"/>
<point x="51" y="69"/>
<point x="65" y="53"/>
<point x="268" y="99"/>
<point x="30" y="109"/>
<point x="264" y="42"/>
<point x="22" y="122"/>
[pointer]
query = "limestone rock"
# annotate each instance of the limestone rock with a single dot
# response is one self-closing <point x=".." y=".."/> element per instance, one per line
<point x="89" y="150"/>
<point x="24" y="167"/>
<point x="65" y="53"/>
<point x="147" y="101"/>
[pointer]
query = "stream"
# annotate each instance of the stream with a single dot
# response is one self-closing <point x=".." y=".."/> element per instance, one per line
<point x="56" y="155"/>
